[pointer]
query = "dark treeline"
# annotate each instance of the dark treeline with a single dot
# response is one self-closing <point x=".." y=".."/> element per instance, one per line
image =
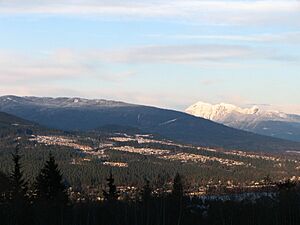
<point x="47" y="202"/>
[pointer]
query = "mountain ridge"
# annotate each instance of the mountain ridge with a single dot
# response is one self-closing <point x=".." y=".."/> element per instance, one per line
<point x="171" y="124"/>
<point x="250" y="119"/>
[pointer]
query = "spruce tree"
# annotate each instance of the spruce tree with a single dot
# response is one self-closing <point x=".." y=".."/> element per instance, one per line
<point x="177" y="191"/>
<point x="49" y="183"/>
<point x="18" y="193"/>
<point x="112" y="194"/>
<point x="177" y="200"/>
<point x="17" y="180"/>
<point x="146" y="202"/>
<point x="146" y="192"/>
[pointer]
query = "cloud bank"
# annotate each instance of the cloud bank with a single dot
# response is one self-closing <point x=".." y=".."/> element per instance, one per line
<point x="68" y="64"/>
<point x="262" y="12"/>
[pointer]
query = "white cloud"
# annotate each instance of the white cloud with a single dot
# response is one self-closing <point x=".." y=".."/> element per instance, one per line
<point x="65" y="64"/>
<point x="197" y="54"/>
<point x="203" y="11"/>
<point x="179" y="54"/>
<point x="285" y="37"/>
<point x="59" y="65"/>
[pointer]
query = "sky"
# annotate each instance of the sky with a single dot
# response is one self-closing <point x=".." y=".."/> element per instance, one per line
<point x="166" y="53"/>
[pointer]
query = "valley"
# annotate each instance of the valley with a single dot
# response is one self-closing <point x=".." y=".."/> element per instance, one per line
<point x="87" y="115"/>
<point x="149" y="112"/>
<point x="86" y="157"/>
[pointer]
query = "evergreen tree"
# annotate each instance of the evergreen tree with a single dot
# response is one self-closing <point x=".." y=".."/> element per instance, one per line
<point x="17" y="180"/>
<point x="289" y="201"/>
<point x="49" y="183"/>
<point x="18" y="193"/>
<point x="177" y="191"/>
<point x="146" y="202"/>
<point x="146" y="192"/>
<point x="176" y="206"/>
<point x="112" y="194"/>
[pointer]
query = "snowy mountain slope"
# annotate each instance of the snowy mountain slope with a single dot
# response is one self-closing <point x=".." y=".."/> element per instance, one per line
<point x="9" y="101"/>
<point x="85" y="115"/>
<point x="254" y="119"/>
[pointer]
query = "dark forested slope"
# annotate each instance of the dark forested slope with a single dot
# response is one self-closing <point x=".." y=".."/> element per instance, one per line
<point x="82" y="114"/>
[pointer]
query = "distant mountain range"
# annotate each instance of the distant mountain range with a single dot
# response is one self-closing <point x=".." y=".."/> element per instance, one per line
<point x="266" y="122"/>
<point x="73" y="114"/>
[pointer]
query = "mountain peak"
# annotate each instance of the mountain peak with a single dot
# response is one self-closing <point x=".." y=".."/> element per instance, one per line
<point x="218" y="111"/>
<point x="258" y="120"/>
<point x="79" y="114"/>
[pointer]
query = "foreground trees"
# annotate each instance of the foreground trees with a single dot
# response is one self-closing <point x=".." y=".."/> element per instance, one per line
<point x="51" y="198"/>
<point x="49" y="184"/>
<point x="18" y="198"/>
<point x="112" y="194"/>
<point x="46" y="203"/>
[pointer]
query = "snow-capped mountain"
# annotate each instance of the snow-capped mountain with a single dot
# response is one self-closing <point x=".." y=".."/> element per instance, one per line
<point x="78" y="114"/>
<point x="268" y="122"/>
<point x="219" y="111"/>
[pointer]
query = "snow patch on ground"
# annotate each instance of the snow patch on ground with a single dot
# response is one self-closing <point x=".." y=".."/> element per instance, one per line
<point x="168" y="122"/>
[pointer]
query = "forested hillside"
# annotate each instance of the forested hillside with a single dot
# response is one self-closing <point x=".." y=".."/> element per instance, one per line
<point x="87" y="158"/>
<point x="76" y="114"/>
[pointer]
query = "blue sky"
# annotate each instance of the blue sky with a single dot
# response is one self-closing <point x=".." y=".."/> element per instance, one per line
<point x="164" y="53"/>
